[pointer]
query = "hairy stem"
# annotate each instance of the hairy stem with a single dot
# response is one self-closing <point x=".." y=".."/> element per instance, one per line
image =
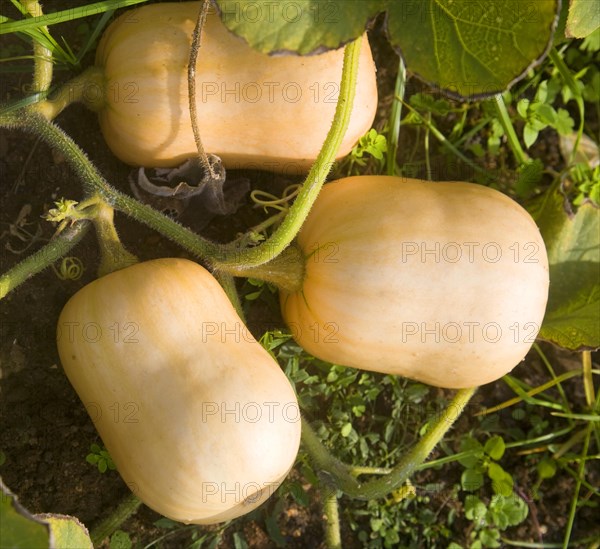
<point x="194" y="49"/>
<point x="333" y="536"/>
<point x="128" y="506"/>
<point x="94" y="184"/>
<point x="287" y="231"/>
<point x="331" y="470"/>
<point x="43" y="258"/>
<point x="113" y="254"/>
<point x="417" y="455"/>
<point x="88" y="88"/>
<point x="42" y="71"/>
<point x="340" y="474"/>
<point x="286" y="270"/>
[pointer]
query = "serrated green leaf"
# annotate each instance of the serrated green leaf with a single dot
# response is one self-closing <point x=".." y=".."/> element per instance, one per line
<point x="502" y="482"/>
<point x="475" y="509"/>
<point x="517" y="511"/>
<point x="573" y="243"/>
<point x="508" y="511"/>
<point x="494" y="447"/>
<point x="302" y="26"/>
<point x="471" y="480"/>
<point x="489" y="537"/>
<point x="530" y="175"/>
<point x="68" y="532"/>
<point x="120" y="540"/>
<point x="583" y="18"/>
<point x="469" y="49"/>
<point x="469" y="444"/>
<point x="20" y="529"/>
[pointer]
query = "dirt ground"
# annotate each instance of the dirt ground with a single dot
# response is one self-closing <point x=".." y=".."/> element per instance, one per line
<point x="45" y="430"/>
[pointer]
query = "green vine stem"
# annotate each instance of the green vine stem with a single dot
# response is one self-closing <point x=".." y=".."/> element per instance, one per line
<point x="588" y="378"/>
<point x="42" y="72"/>
<point x="228" y="284"/>
<point x="442" y="139"/>
<point x="86" y="87"/>
<point x="128" y="506"/>
<point x="43" y="258"/>
<point x="113" y="255"/>
<point x="229" y="258"/>
<point x="287" y="231"/>
<point x="504" y="118"/>
<point x="333" y="536"/>
<point x="330" y="469"/>
<point x="280" y="271"/>
<point x="285" y="270"/>
<point x="566" y="75"/>
<point x="341" y="474"/>
<point x="94" y="184"/>
<point x="395" y="118"/>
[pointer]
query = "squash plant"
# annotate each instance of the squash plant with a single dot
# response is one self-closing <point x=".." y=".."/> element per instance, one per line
<point x="289" y="267"/>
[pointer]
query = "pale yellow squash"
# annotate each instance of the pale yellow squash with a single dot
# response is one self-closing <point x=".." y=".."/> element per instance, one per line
<point x="445" y="283"/>
<point x="254" y="111"/>
<point x="199" y="419"/>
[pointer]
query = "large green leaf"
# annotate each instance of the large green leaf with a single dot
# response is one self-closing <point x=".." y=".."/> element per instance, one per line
<point x="573" y="243"/>
<point x="302" y="26"/>
<point x="67" y="531"/>
<point x="22" y="530"/>
<point x="583" y="18"/>
<point x="467" y="48"/>
<point x="472" y="48"/>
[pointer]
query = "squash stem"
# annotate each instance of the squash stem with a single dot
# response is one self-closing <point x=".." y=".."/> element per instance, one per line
<point x="286" y="270"/>
<point x="416" y="456"/>
<point x="330" y="469"/>
<point x="95" y="185"/>
<point x="87" y="88"/>
<point x="289" y="228"/>
<point x="44" y="257"/>
<point x="113" y="255"/>
<point x="194" y="49"/>
<point x="340" y="474"/>
<point x="42" y="68"/>
<point x="227" y="282"/>
<point x="333" y="536"/>
<point x="128" y="506"/>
